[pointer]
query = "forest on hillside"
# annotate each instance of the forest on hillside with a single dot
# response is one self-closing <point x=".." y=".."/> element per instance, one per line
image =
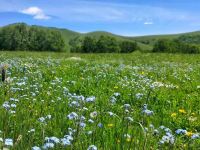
<point x="30" y="38"/>
<point x="22" y="37"/>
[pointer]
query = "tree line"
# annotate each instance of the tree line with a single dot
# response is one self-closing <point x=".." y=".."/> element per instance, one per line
<point x="175" y="46"/>
<point x="31" y="38"/>
<point x="103" y="44"/>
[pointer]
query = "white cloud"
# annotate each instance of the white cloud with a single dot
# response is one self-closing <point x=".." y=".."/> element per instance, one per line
<point x="36" y="12"/>
<point x="148" y="23"/>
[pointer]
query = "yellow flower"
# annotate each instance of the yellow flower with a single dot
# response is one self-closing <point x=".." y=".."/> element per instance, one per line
<point x="182" y="111"/>
<point x="193" y="114"/>
<point x="116" y="87"/>
<point x="173" y="115"/>
<point x="142" y="72"/>
<point x="110" y="125"/>
<point x="189" y="134"/>
<point x="128" y="140"/>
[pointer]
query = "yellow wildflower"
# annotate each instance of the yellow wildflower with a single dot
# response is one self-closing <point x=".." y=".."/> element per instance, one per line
<point x="189" y="134"/>
<point x="173" y="115"/>
<point x="182" y="111"/>
<point x="128" y="140"/>
<point x="116" y="87"/>
<point x="110" y="125"/>
<point x="142" y="72"/>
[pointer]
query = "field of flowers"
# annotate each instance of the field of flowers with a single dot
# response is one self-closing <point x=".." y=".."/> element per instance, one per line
<point x="103" y="101"/>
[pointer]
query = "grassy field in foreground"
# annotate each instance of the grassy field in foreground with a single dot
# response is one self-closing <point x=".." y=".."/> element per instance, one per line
<point x="99" y="101"/>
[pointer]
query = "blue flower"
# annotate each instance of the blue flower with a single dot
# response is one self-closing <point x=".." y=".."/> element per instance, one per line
<point x="65" y="141"/>
<point x="195" y="136"/>
<point x="180" y="131"/>
<point x="82" y="125"/>
<point x="92" y="147"/>
<point x="8" y="142"/>
<point x="100" y="125"/>
<point x="90" y="99"/>
<point x="36" y="148"/>
<point x="72" y="116"/>
<point x="48" y="145"/>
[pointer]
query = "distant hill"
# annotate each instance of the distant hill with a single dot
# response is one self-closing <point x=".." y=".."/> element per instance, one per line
<point x="144" y="42"/>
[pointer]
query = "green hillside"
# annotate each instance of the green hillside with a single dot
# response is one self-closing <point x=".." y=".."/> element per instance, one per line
<point x="144" y="42"/>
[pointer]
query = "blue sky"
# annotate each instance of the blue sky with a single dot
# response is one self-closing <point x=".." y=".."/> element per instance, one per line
<point x="125" y="17"/>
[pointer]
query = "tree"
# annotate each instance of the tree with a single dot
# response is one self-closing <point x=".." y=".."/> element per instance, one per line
<point x="88" y="45"/>
<point x="128" y="46"/>
<point x="23" y="37"/>
<point x="107" y="44"/>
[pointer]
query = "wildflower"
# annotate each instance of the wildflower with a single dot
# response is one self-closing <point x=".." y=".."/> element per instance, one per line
<point x="52" y="139"/>
<point x="90" y="121"/>
<point x="32" y="130"/>
<point x="36" y="148"/>
<point x="189" y="134"/>
<point x="82" y="118"/>
<point x="72" y="116"/>
<point x="182" y="111"/>
<point x="162" y="127"/>
<point x="92" y="147"/>
<point x="173" y="115"/>
<point x="6" y="105"/>
<point x="111" y="113"/>
<point x="90" y="99"/>
<point x="127" y="106"/>
<point x="180" y="131"/>
<point x="93" y="114"/>
<point x="110" y="125"/>
<point x="128" y="139"/>
<point x="65" y="141"/>
<point x="48" y="145"/>
<point x="148" y="112"/>
<point x="195" y="136"/>
<point x="167" y="130"/>
<point x="151" y="126"/>
<point x="13" y="105"/>
<point x="116" y="94"/>
<point x="82" y="125"/>
<point x="113" y="100"/>
<point x="139" y="95"/>
<point x="8" y="142"/>
<point x="155" y="132"/>
<point x="116" y="87"/>
<point x="41" y="119"/>
<point x="48" y="116"/>
<point x="89" y="132"/>
<point x="100" y="125"/>
<point x="129" y="119"/>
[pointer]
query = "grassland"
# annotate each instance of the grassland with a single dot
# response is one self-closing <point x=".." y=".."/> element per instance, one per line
<point x="105" y="101"/>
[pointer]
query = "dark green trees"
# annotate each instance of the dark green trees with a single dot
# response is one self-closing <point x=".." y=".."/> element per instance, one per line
<point x="103" y="44"/>
<point x="23" y="37"/>
<point x="128" y="47"/>
<point x="107" y="44"/>
<point x="89" y="45"/>
<point x="175" y="46"/>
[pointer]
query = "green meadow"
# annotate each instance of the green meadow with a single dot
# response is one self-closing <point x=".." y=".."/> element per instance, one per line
<point x="71" y="101"/>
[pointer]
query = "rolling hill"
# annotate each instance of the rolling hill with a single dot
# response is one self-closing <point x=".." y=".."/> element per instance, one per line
<point x="144" y="42"/>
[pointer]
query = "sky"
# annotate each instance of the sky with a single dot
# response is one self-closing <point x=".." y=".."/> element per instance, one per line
<point x="123" y="17"/>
